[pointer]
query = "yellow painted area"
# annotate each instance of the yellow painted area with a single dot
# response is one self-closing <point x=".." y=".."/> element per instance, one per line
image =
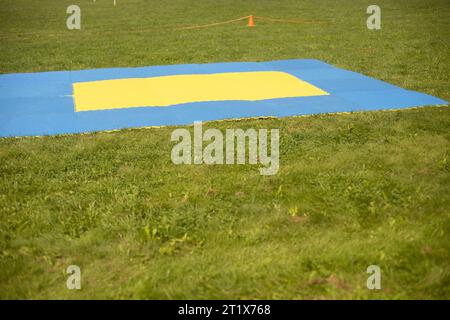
<point x="170" y="90"/>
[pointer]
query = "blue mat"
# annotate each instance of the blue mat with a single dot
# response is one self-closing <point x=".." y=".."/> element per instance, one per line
<point x="35" y="104"/>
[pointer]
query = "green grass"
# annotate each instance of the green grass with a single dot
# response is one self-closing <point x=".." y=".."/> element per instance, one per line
<point x="352" y="190"/>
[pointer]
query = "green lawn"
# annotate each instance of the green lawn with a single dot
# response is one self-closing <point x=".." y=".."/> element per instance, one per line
<point x="352" y="190"/>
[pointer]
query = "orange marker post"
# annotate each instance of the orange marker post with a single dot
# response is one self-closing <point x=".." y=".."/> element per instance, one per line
<point x="251" y="23"/>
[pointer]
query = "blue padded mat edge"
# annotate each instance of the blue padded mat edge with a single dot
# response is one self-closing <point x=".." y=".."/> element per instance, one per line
<point x="36" y="104"/>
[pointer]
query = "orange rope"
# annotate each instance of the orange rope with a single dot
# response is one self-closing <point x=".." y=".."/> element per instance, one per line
<point x="6" y="35"/>
<point x="211" y="24"/>
<point x="288" y="21"/>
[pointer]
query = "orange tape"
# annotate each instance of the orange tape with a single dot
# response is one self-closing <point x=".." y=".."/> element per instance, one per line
<point x="9" y="34"/>
<point x="288" y="21"/>
<point x="211" y="24"/>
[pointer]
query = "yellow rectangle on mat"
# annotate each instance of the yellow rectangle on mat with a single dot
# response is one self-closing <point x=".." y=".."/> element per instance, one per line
<point x="170" y="90"/>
